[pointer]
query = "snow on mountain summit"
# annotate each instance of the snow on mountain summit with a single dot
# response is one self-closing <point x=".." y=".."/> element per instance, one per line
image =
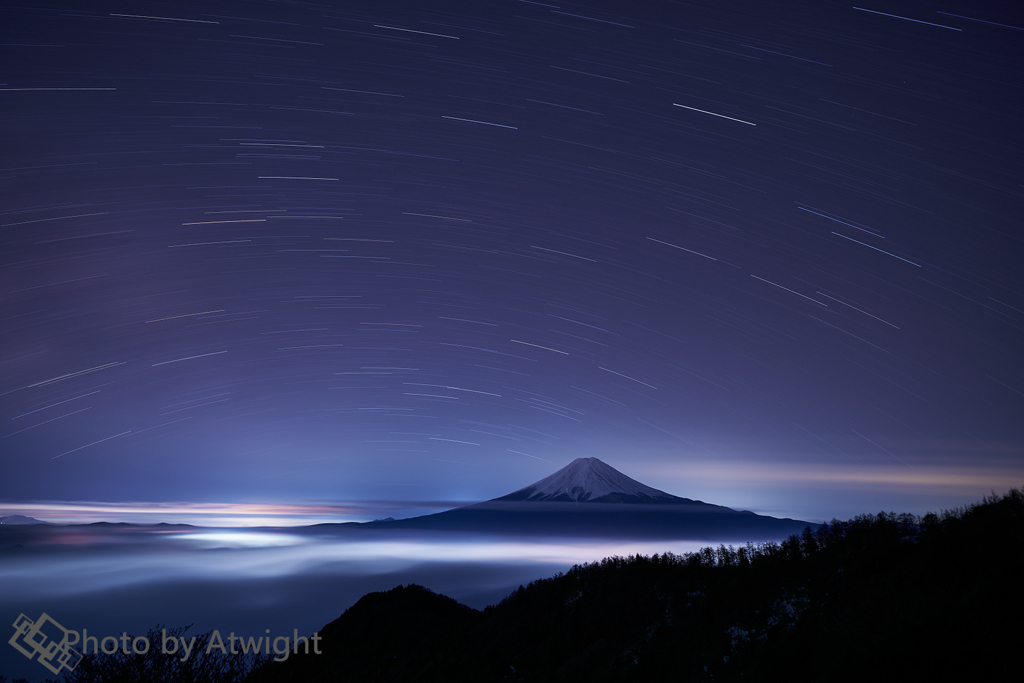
<point x="589" y="480"/>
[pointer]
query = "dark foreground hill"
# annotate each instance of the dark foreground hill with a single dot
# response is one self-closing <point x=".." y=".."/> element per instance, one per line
<point x="886" y="597"/>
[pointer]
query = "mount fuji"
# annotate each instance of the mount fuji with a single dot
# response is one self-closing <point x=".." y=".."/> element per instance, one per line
<point x="588" y="480"/>
<point x="589" y="498"/>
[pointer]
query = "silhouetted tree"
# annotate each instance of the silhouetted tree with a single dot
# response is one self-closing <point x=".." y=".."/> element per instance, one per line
<point x="878" y="596"/>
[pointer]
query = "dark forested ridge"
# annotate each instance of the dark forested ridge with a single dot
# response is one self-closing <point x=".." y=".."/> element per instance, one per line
<point x="883" y="597"/>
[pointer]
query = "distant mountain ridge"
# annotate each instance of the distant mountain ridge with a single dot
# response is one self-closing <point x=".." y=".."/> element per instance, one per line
<point x="21" y="519"/>
<point x="589" y="498"/>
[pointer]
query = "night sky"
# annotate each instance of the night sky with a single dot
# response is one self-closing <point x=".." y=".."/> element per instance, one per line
<point x="365" y="256"/>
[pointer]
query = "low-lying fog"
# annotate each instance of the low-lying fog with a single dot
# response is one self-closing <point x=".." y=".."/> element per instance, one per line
<point x="110" y="579"/>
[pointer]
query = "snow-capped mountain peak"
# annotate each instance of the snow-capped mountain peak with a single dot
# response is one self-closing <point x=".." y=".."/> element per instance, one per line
<point x="589" y="480"/>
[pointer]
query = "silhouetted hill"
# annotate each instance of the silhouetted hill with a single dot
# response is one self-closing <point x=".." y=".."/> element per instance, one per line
<point x="885" y="597"/>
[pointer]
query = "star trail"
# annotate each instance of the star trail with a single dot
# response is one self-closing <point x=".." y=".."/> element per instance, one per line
<point x="762" y="254"/>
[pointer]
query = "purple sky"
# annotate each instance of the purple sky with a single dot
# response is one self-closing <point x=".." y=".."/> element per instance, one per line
<point x="389" y="256"/>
